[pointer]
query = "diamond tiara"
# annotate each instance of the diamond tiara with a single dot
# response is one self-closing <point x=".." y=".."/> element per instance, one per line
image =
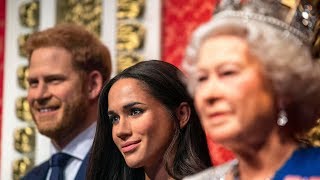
<point x="299" y="17"/>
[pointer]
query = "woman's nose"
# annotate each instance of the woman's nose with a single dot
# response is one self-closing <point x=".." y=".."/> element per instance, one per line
<point x="123" y="129"/>
<point x="211" y="91"/>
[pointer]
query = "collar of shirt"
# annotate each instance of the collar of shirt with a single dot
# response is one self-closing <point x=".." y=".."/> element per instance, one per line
<point x="79" y="146"/>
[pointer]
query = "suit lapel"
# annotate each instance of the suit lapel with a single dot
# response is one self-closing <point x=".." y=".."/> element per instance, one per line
<point x="40" y="172"/>
<point x="81" y="175"/>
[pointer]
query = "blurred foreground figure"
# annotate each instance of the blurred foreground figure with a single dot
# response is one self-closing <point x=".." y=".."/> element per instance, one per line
<point x="255" y="78"/>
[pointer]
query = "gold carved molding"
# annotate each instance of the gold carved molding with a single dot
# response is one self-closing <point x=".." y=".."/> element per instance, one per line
<point x="21" y="167"/>
<point x="130" y="9"/>
<point x="22" y="74"/>
<point x="29" y="14"/>
<point x="23" y="110"/>
<point x="126" y="60"/>
<point x="130" y="36"/>
<point x="24" y="139"/>
<point x="313" y="136"/>
<point x="85" y="12"/>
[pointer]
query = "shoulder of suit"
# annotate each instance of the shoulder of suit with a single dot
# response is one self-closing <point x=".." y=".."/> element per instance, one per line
<point x="37" y="170"/>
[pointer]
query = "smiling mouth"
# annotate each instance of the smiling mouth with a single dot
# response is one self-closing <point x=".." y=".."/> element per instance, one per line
<point x="47" y="109"/>
<point x="130" y="146"/>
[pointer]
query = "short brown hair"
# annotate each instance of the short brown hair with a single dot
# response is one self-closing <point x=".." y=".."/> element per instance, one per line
<point x="88" y="52"/>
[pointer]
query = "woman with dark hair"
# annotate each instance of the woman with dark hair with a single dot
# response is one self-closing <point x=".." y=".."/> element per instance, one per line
<point x="255" y="83"/>
<point x="147" y="127"/>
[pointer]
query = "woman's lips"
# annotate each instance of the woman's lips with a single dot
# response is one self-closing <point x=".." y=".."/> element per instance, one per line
<point x="130" y="146"/>
<point x="217" y="116"/>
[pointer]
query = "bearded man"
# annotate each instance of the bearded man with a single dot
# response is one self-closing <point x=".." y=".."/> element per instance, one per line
<point x="67" y="69"/>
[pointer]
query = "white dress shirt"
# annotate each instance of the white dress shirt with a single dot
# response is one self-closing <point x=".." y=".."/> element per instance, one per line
<point x="78" y="148"/>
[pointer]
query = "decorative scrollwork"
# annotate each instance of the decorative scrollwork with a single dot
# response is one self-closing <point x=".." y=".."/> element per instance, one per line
<point x="316" y="47"/>
<point x="84" y="12"/>
<point x="21" y="167"/>
<point x="130" y="36"/>
<point x="22" y="74"/>
<point x="126" y="60"/>
<point x="24" y="139"/>
<point x="29" y="14"/>
<point x="289" y="3"/>
<point x="130" y="9"/>
<point x="313" y="136"/>
<point x="22" y="39"/>
<point x="316" y="43"/>
<point x="23" y="109"/>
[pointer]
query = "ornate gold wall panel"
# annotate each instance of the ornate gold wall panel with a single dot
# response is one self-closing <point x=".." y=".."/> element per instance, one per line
<point x="29" y="14"/>
<point x="21" y="42"/>
<point x="130" y="9"/>
<point x="313" y="136"/>
<point x="23" y="110"/>
<point x="316" y="44"/>
<point x="131" y="33"/>
<point x="24" y="139"/>
<point x="21" y="166"/>
<point x="130" y="36"/>
<point x="84" y="12"/>
<point x="126" y="60"/>
<point x="22" y="73"/>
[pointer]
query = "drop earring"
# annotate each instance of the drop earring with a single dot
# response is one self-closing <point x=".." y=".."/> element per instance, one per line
<point x="282" y="118"/>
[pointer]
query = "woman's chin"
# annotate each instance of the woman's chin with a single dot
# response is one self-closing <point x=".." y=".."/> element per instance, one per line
<point x="221" y="138"/>
<point x="133" y="164"/>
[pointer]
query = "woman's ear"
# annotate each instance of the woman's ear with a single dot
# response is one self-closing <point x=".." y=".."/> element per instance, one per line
<point x="183" y="114"/>
<point x="95" y="83"/>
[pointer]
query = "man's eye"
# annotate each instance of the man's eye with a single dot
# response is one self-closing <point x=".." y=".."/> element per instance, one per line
<point x="114" y="119"/>
<point x="32" y="83"/>
<point x="55" y="81"/>
<point x="135" y="111"/>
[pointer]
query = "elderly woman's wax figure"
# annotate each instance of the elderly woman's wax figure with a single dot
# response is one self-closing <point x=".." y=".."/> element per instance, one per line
<point x="254" y="74"/>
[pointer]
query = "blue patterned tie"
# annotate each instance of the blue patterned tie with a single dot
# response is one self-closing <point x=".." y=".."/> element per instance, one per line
<point x="57" y="163"/>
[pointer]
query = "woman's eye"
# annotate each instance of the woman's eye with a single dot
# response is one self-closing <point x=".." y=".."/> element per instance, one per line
<point x="227" y="73"/>
<point x="202" y="78"/>
<point x="114" y="119"/>
<point x="228" y="70"/>
<point x="135" y="111"/>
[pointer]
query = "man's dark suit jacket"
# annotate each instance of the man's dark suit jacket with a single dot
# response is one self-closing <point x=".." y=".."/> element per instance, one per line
<point x="40" y="172"/>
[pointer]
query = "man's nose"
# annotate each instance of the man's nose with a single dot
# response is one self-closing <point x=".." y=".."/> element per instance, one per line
<point x="40" y="92"/>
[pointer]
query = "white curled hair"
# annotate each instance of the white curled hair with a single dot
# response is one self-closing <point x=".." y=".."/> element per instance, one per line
<point x="286" y="61"/>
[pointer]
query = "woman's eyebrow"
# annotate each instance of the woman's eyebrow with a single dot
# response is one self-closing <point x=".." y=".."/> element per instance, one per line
<point x="129" y="105"/>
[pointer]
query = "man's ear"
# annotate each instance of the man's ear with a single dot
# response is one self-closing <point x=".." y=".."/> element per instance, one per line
<point x="95" y="83"/>
<point x="183" y="114"/>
